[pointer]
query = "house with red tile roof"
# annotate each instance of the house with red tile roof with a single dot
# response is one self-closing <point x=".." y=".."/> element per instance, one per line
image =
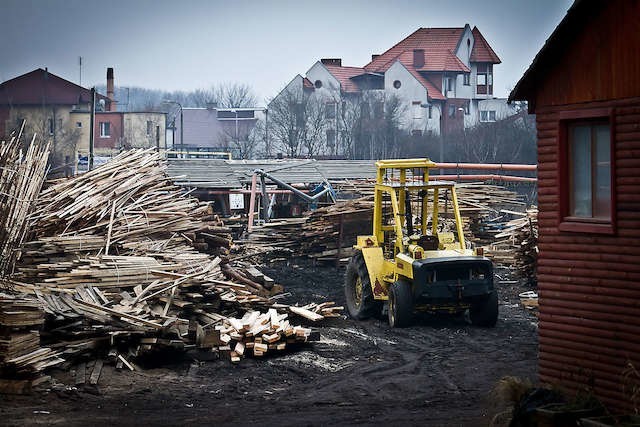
<point x="442" y="76"/>
<point x="57" y="110"/>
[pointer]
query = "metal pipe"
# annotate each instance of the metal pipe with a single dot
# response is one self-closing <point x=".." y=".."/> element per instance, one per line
<point x="292" y="189"/>
<point x="506" y="178"/>
<point x="487" y="166"/>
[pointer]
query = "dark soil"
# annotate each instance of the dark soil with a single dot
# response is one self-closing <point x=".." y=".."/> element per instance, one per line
<point x="438" y="372"/>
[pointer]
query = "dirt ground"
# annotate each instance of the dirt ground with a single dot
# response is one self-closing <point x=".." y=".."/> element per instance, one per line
<point x="438" y="372"/>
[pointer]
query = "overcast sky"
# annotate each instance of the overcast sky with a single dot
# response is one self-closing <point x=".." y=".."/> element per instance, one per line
<point x="190" y="44"/>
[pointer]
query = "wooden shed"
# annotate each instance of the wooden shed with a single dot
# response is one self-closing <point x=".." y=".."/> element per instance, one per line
<point x="584" y="87"/>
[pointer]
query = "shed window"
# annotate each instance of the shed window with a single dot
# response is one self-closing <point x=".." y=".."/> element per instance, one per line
<point x="590" y="171"/>
<point x="149" y="128"/>
<point x="587" y="201"/>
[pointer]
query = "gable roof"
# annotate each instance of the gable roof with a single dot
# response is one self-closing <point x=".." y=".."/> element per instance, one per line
<point x="344" y="75"/>
<point x="42" y="87"/>
<point x="576" y="17"/>
<point x="432" y="91"/>
<point x="439" y="45"/>
<point x="481" y="51"/>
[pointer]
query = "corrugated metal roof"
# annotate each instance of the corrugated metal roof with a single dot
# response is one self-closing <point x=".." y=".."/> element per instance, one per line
<point x="217" y="173"/>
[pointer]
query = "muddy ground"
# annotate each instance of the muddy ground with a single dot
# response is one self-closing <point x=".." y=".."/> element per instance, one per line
<point x="438" y="372"/>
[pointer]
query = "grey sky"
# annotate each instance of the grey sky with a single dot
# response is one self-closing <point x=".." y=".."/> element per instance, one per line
<point x="189" y="44"/>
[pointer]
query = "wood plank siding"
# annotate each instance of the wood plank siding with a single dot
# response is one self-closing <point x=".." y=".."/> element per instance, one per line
<point x="589" y="284"/>
<point x="589" y="281"/>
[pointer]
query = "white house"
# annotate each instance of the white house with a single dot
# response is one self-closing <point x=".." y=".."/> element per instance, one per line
<point x="442" y="76"/>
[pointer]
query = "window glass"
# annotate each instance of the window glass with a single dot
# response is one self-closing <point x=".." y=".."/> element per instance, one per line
<point x="482" y="79"/>
<point x="580" y="179"/>
<point x="483" y="116"/>
<point x="492" y="115"/>
<point x="603" y="172"/>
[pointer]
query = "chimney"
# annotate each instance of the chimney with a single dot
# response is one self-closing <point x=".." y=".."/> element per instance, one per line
<point x="418" y="58"/>
<point x="332" y="61"/>
<point x="374" y="56"/>
<point x="110" y="94"/>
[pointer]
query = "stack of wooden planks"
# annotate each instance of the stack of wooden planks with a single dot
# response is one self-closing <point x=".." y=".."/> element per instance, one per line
<point x="21" y="178"/>
<point x="317" y="234"/>
<point x="22" y="360"/>
<point x="126" y="264"/>
<point x="520" y="241"/>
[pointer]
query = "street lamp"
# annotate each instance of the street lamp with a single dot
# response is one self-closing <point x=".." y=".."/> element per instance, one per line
<point x="181" y="123"/>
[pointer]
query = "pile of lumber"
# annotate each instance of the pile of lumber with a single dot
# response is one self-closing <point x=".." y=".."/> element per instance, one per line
<point x="125" y="264"/>
<point x="318" y="233"/>
<point x="521" y="242"/>
<point x="21" y="178"/>
<point x="22" y="360"/>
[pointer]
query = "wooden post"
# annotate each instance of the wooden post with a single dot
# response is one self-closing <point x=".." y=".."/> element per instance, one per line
<point x="339" y="255"/>
<point x="252" y="202"/>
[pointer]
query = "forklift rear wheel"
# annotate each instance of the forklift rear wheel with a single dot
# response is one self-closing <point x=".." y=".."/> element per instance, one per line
<point x="485" y="311"/>
<point x="357" y="289"/>
<point x="400" y="305"/>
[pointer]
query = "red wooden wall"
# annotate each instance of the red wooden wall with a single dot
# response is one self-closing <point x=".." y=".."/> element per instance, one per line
<point x="589" y="283"/>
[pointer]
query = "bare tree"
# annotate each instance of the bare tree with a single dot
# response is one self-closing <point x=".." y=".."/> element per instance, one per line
<point x="234" y="95"/>
<point x="286" y="122"/>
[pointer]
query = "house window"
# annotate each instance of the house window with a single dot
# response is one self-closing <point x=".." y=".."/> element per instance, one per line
<point x="78" y="124"/>
<point x="299" y="114"/>
<point x="378" y="109"/>
<point x="364" y="111"/>
<point x="492" y="115"/>
<point x="467" y="108"/>
<point x="586" y="182"/>
<point x="105" y="129"/>
<point x="430" y="111"/>
<point x="452" y="110"/>
<point x="484" y="79"/>
<point x="331" y="138"/>
<point x="149" y="128"/>
<point x="466" y="78"/>
<point x="417" y="110"/>
<point x="483" y="116"/>
<point x="397" y="84"/>
<point x="51" y="126"/>
<point x="330" y="112"/>
<point x="318" y="84"/>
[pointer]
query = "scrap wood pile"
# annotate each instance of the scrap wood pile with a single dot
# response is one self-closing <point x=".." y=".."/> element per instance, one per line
<point x="518" y="246"/>
<point x="21" y="357"/>
<point x="21" y="178"/>
<point x="317" y="234"/>
<point x="126" y="264"/>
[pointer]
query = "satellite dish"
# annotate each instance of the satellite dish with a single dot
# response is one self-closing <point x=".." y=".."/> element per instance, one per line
<point x="101" y="104"/>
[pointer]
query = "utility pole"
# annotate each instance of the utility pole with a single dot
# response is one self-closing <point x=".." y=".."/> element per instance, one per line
<point x="92" y="119"/>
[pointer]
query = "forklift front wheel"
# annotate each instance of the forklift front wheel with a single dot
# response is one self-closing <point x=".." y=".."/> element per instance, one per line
<point x="400" y="305"/>
<point x="357" y="289"/>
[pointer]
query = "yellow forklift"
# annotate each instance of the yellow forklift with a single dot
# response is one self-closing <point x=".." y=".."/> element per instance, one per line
<point x="417" y="257"/>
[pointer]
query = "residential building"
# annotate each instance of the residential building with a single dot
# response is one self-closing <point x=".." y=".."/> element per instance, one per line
<point x="584" y="87"/>
<point x="58" y="111"/>
<point x="215" y="129"/>
<point x="49" y="106"/>
<point x="441" y="79"/>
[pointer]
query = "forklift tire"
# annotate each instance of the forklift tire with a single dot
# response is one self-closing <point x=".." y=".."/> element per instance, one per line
<point x="400" y="305"/>
<point x="358" y="292"/>
<point x="484" y="312"/>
